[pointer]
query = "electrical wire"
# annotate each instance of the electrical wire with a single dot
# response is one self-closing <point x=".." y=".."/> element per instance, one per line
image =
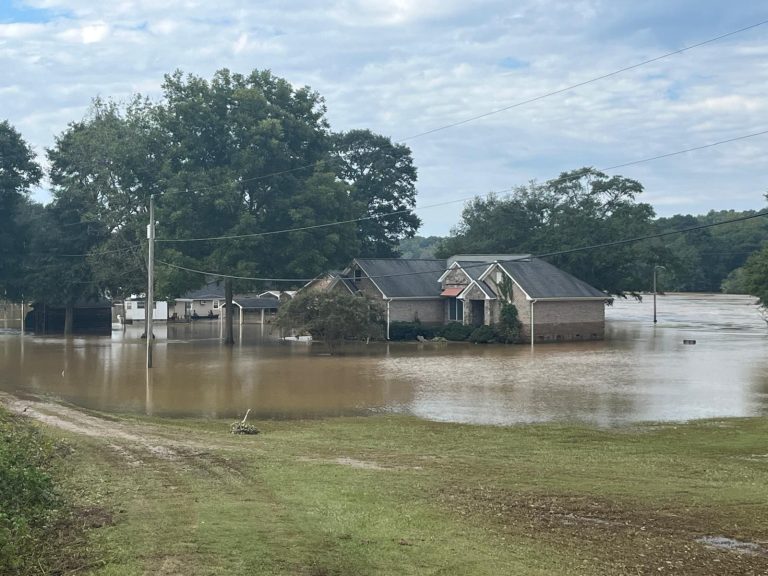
<point x="584" y="83"/>
<point x="455" y="201"/>
<point x="486" y="264"/>
<point x="504" y="109"/>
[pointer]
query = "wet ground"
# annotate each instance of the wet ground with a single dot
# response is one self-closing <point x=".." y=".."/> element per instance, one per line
<point x="640" y="372"/>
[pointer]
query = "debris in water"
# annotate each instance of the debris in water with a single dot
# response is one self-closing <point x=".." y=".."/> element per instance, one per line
<point x="689" y="341"/>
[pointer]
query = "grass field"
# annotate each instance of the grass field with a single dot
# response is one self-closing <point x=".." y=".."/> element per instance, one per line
<point x="397" y="495"/>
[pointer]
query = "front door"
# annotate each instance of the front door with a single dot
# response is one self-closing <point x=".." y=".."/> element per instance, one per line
<point x="478" y="312"/>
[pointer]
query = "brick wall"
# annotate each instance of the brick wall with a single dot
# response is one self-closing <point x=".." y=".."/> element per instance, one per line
<point x="425" y="311"/>
<point x="567" y="320"/>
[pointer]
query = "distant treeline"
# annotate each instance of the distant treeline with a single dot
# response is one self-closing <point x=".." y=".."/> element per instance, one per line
<point x="586" y="208"/>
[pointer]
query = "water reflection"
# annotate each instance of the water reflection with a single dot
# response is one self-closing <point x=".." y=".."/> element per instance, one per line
<point x="640" y="372"/>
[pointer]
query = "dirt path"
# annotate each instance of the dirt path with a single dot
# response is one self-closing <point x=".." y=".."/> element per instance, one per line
<point x="132" y="441"/>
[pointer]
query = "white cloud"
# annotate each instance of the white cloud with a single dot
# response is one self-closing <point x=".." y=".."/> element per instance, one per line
<point x="401" y="67"/>
<point x="87" y="34"/>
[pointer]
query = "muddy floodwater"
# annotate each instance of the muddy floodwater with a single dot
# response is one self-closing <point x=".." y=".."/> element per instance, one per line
<point x="640" y="372"/>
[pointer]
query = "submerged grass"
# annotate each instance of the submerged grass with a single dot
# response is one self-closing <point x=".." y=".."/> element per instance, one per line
<point x="398" y="495"/>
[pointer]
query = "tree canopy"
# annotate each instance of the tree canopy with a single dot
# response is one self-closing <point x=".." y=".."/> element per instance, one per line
<point x="244" y="156"/>
<point x="579" y="208"/>
<point x="18" y="173"/>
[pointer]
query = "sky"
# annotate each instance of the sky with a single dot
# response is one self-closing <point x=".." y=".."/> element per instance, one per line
<point x="401" y="67"/>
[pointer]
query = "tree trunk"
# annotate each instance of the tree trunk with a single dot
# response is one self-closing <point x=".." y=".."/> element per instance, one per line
<point x="229" y="332"/>
<point x="69" y="317"/>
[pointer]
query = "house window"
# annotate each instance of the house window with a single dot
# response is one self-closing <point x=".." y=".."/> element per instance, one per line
<point x="455" y="309"/>
<point x="140" y="304"/>
<point x="215" y="304"/>
<point x="203" y="302"/>
<point x="358" y="274"/>
<point x="128" y="305"/>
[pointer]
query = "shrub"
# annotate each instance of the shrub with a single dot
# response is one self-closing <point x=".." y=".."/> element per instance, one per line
<point x="29" y="503"/>
<point x="332" y="317"/>
<point x="456" y="331"/>
<point x="508" y="328"/>
<point x="483" y="335"/>
<point x="409" y="331"/>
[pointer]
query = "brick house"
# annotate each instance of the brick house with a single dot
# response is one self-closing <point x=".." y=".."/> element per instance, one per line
<point x="552" y="305"/>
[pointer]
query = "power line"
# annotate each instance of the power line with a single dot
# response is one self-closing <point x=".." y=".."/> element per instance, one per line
<point x="455" y="201"/>
<point x="486" y="264"/>
<point x="584" y="83"/>
<point x="660" y="156"/>
<point x="504" y="109"/>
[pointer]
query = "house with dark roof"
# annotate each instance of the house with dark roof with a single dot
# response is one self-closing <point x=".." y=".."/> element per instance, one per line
<point x="209" y="302"/>
<point x="552" y="305"/>
<point x="408" y="288"/>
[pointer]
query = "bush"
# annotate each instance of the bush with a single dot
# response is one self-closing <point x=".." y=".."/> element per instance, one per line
<point x="409" y="331"/>
<point x="455" y="331"/>
<point x="332" y="317"/>
<point x="508" y="328"/>
<point x="483" y="335"/>
<point x="29" y="503"/>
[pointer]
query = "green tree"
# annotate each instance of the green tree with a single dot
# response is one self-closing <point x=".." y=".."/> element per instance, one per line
<point x="246" y="157"/>
<point x="58" y="271"/>
<point x="382" y="180"/>
<point x="755" y="275"/>
<point x="110" y="163"/>
<point x="333" y="317"/>
<point x="579" y="208"/>
<point x="419" y="246"/>
<point x="18" y="173"/>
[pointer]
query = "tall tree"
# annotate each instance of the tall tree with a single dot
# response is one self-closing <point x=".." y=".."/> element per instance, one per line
<point x="18" y="172"/>
<point x="382" y="180"/>
<point x="59" y="271"/>
<point x="246" y="158"/>
<point x="109" y="163"/>
<point x="579" y="208"/>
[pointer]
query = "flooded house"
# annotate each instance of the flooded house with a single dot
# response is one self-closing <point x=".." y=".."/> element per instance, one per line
<point x="208" y="302"/>
<point x="135" y="310"/>
<point x="552" y="304"/>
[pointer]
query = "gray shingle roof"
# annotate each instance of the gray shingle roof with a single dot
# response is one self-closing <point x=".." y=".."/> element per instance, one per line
<point x="541" y="279"/>
<point x="404" y="278"/>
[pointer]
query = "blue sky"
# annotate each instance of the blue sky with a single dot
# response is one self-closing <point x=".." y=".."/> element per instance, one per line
<point x="402" y="67"/>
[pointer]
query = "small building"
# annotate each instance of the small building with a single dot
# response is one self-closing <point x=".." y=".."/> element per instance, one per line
<point x="254" y="310"/>
<point x="88" y="317"/>
<point x="209" y="302"/>
<point x="135" y="310"/>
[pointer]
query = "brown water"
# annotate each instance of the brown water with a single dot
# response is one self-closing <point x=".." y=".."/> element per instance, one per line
<point x="639" y="373"/>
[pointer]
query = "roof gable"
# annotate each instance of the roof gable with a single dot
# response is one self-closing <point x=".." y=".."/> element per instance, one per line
<point x="540" y="279"/>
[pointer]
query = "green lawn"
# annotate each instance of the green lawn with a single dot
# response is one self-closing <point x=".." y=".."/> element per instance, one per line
<point x="398" y="495"/>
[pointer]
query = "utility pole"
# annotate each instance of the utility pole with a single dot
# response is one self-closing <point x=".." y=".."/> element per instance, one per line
<point x="657" y="267"/>
<point x="150" y="301"/>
